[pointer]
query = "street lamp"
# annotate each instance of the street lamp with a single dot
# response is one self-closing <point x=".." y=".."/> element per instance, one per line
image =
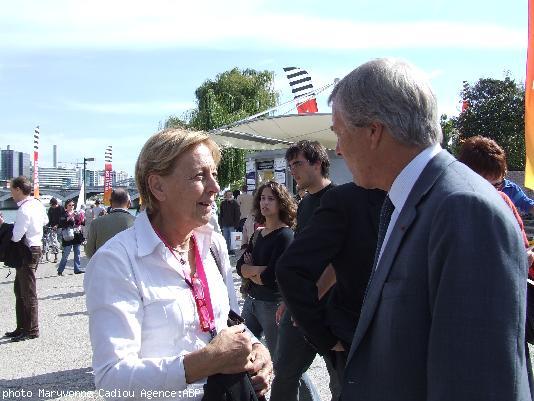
<point x="85" y="160"/>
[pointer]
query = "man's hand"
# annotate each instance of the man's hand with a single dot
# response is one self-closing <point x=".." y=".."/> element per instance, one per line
<point x="1" y="219"/>
<point x="338" y="347"/>
<point x="247" y="258"/>
<point x="279" y="312"/>
<point x="262" y="369"/>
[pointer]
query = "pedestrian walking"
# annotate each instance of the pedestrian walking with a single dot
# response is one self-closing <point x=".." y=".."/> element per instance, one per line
<point x="29" y="221"/>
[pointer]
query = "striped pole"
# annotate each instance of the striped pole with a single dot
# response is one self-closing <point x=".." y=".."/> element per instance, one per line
<point x="300" y="83"/>
<point x="107" y="176"/>
<point x="36" y="133"/>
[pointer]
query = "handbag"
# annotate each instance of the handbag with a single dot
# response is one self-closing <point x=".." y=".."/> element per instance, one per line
<point x="229" y="387"/>
<point x="67" y="234"/>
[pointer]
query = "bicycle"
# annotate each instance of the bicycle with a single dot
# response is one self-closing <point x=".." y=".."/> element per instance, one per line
<point x="50" y="245"/>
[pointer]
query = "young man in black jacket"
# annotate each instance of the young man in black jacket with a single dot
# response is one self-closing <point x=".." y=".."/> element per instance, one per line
<point x="309" y="166"/>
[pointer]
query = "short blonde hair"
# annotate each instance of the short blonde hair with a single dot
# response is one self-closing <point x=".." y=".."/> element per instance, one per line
<point x="159" y="155"/>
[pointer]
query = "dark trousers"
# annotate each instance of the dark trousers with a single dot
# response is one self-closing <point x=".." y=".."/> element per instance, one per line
<point x="293" y="357"/>
<point x="26" y="295"/>
<point x="338" y="360"/>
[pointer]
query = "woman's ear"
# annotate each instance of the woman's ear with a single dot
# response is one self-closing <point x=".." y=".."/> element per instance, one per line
<point x="156" y="185"/>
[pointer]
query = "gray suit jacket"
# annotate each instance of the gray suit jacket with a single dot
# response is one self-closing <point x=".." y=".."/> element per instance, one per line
<point x="106" y="227"/>
<point x="444" y="316"/>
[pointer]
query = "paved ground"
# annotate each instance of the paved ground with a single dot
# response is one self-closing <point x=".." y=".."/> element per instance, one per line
<point x="57" y="365"/>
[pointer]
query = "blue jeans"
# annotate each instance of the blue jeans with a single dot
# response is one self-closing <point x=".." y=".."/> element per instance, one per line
<point x="293" y="357"/>
<point x="260" y="318"/>
<point x="227" y="234"/>
<point x="65" y="256"/>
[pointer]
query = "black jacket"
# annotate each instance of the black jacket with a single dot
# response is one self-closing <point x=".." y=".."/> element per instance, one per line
<point x="229" y="213"/>
<point x="13" y="254"/>
<point x="342" y="231"/>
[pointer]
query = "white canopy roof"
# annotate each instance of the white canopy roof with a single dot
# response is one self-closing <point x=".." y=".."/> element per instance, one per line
<point x="267" y="133"/>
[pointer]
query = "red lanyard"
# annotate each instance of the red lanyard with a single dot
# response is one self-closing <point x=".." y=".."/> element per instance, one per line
<point x="198" y="284"/>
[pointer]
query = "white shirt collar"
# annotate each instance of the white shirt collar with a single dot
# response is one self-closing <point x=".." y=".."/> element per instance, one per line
<point x="19" y="203"/>
<point x="403" y="184"/>
<point x="148" y="240"/>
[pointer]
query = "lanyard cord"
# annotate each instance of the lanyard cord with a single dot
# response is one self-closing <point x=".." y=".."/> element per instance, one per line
<point x="206" y="317"/>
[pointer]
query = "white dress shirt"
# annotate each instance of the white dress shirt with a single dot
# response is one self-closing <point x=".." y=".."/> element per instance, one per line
<point x="142" y="315"/>
<point x="30" y="219"/>
<point x="403" y="184"/>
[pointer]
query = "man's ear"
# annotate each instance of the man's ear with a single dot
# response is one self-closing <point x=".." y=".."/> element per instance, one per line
<point x="156" y="185"/>
<point x="376" y="132"/>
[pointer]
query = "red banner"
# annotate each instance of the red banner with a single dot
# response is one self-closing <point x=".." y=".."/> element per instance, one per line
<point x="35" y="175"/>
<point x="529" y="101"/>
<point x="309" y="106"/>
<point x="107" y="185"/>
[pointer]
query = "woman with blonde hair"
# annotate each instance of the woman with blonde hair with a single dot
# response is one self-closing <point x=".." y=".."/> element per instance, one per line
<point x="159" y="293"/>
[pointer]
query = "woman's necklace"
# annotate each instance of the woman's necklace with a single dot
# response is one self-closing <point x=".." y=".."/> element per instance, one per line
<point x="182" y="253"/>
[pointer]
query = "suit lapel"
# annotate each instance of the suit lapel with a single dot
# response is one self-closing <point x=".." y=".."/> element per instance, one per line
<point x="408" y="214"/>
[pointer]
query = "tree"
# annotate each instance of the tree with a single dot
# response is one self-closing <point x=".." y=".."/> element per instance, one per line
<point x="496" y="109"/>
<point x="450" y="133"/>
<point x="232" y="96"/>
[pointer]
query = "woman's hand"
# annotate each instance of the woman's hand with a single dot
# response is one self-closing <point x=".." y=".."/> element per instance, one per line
<point x="247" y="258"/>
<point x="228" y="352"/>
<point x="262" y="369"/>
<point x="257" y="277"/>
<point x="231" y="350"/>
<point x="248" y="271"/>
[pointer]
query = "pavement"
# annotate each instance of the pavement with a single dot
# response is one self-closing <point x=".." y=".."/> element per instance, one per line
<point x="57" y="365"/>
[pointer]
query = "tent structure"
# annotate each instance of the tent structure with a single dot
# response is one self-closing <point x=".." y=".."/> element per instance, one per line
<point x="276" y="132"/>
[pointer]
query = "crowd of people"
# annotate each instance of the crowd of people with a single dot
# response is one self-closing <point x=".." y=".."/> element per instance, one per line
<point x="410" y="282"/>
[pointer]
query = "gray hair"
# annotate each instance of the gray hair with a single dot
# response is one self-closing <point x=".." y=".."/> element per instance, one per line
<point x="393" y="93"/>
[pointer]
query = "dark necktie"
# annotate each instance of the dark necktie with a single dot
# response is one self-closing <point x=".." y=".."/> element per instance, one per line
<point x="385" y="217"/>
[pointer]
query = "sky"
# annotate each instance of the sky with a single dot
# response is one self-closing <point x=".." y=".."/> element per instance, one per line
<point x="100" y="73"/>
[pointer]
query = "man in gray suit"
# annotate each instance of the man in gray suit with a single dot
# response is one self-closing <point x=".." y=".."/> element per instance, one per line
<point x="105" y="227"/>
<point x="444" y="313"/>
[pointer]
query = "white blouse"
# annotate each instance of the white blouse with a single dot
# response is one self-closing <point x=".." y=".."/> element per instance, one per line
<point x="142" y="315"/>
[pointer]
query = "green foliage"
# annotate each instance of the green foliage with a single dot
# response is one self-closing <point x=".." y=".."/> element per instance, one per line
<point x="175" y="122"/>
<point x="451" y="136"/>
<point x="232" y="96"/>
<point x="496" y="109"/>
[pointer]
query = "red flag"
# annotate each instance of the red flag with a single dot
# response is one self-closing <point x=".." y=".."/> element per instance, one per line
<point x="309" y="106"/>
<point x="301" y="83"/>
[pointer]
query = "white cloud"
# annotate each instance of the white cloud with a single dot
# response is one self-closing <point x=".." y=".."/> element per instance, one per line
<point x="137" y="108"/>
<point x="137" y="24"/>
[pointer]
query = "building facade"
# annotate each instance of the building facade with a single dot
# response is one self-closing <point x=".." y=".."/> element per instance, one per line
<point x="13" y="164"/>
<point x="59" y="177"/>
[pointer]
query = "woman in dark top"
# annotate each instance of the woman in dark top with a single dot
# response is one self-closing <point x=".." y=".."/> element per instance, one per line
<point x="73" y="220"/>
<point x="275" y="209"/>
